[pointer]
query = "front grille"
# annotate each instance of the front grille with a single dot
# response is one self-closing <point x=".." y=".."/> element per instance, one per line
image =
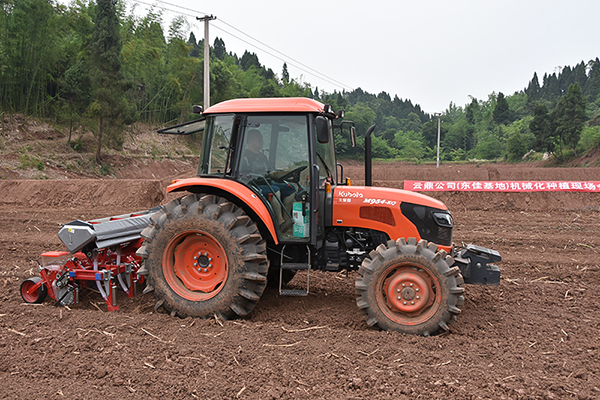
<point x="435" y="230"/>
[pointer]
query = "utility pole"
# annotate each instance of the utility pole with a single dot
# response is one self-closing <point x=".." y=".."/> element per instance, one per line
<point x="439" y="116"/>
<point x="206" y="19"/>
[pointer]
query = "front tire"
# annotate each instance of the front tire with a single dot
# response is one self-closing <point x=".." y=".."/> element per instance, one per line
<point x="409" y="287"/>
<point x="204" y="257"/>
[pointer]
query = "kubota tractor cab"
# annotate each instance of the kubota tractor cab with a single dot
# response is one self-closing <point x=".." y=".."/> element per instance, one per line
<point x="270" y="200"/>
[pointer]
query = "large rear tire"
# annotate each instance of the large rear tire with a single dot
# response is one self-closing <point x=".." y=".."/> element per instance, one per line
<point x="409" y="287"/>
<point x="204" y="257"/>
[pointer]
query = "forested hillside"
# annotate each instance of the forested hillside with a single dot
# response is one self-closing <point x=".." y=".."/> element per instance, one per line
<point x="94" y="66"/>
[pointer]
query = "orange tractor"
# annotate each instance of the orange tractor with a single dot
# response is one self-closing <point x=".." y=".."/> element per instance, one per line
<point x="270" y="202"/>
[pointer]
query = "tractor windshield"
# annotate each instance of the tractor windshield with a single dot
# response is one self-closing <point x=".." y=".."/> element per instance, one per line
<point x="215" y="144"/>
<point x="273" y="145"/>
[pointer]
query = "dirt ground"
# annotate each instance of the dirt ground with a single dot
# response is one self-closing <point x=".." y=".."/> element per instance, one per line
<point x="536" y="336"/>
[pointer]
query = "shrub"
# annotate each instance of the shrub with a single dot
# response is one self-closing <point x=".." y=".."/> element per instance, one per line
<point x="590" y="139"/>
<point x="26" y="161"/>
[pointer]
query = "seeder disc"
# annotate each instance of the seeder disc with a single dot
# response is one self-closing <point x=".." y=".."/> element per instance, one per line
<point x="32" y="294"/>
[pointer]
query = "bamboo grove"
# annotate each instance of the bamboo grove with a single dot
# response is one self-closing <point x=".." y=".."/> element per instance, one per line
<point x="94" y="66"/>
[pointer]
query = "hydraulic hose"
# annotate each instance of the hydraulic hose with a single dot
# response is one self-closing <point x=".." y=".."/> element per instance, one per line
<point x="98" y="284"/>
<point x="120" y="276"/>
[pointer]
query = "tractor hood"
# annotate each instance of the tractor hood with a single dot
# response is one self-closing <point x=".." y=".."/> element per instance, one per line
<point x="399" y="213"/>
<point x="369" y="195"/>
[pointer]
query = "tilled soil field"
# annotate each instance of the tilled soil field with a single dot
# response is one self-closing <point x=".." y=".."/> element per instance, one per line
<point x="536" y="336"/>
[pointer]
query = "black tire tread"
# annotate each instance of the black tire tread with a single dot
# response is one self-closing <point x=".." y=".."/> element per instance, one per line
<point x="245" y="248"/>
<point x="385" y="255"/>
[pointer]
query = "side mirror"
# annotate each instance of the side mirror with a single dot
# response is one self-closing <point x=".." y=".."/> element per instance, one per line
<point x="322" y="129"/>
<point x="196" y="109"/>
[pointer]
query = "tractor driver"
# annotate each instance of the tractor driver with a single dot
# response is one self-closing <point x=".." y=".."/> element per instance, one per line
<point x="255" y="162"/>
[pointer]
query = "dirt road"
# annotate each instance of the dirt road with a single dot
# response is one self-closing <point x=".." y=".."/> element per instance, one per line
<point x="536" y="336"/>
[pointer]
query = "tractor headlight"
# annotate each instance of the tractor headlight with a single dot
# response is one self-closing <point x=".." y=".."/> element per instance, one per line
<point x="443" y="219"/>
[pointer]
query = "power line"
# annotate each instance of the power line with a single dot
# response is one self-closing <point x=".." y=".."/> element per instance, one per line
<point x="295" y="63"/>
<point x="322" y="76"/>
<point x="166" y="9"/>
<point x="178" y="6"/>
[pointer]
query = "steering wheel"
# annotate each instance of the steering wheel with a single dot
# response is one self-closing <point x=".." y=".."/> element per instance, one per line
<point x="292" y="176"/>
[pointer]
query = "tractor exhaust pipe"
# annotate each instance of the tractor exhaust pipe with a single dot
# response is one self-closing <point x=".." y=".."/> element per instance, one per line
<point x="368" y="157"/>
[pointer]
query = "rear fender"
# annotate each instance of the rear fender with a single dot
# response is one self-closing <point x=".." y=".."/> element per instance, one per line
<point x="235" y="189"/>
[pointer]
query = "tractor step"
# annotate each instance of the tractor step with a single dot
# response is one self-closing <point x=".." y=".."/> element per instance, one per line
<point x="294" y="267"/>
<point x="293" y="292"/>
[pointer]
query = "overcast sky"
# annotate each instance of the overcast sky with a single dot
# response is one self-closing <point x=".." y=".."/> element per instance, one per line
<point x="432" y="52"/>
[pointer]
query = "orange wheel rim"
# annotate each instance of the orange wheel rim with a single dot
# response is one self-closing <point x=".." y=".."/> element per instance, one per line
<point x="195" y="265"/>
<point x="408" y="295"/>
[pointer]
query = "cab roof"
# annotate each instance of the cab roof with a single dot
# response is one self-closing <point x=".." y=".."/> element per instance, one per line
<point x="274" y="104"/>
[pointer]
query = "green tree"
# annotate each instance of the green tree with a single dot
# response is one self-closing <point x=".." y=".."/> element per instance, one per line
<point x="285" y="75"/>
<point x="73" y="87"/>
<point x="459" y="136"/>
<point x="390" y="127"/>
<point x="502" y="113"/>
<point x="317" y="96"/>
<point x="75" y="93"/>
<point x="380" y="148"/>
<point x="269" y="90"/>
<point x="295" y="89"/>
<point x="195" y="51"/>
<point x="223" y="85"/>
<point x="430" y="133"/>
<point x="590" y="139"/>
<point x="249" y="60"/>
<point x="250" y="80"/>
<point x="551" y="91"/>
<point x="517" y="104"/>
<point x="516" y="146"/>
<point x="184" y="78"/>
<point x="533" y="90"/>
<point x="542" y="128"/>
<point x="411" y="123"/>
<point x="110" y="105"/>
<point x="592" y="87"/>
<point x="470" y="111"/>
<point x="410" y="145"/>
<point x="488" y="146"/>
<point x="144" y="66"/>
<point x="363" y="117"/>
<point x="178" y="28"/>
<point x="570" y="117"/>
<point x="219" y="49"/>
<point x="29" y="36"/>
